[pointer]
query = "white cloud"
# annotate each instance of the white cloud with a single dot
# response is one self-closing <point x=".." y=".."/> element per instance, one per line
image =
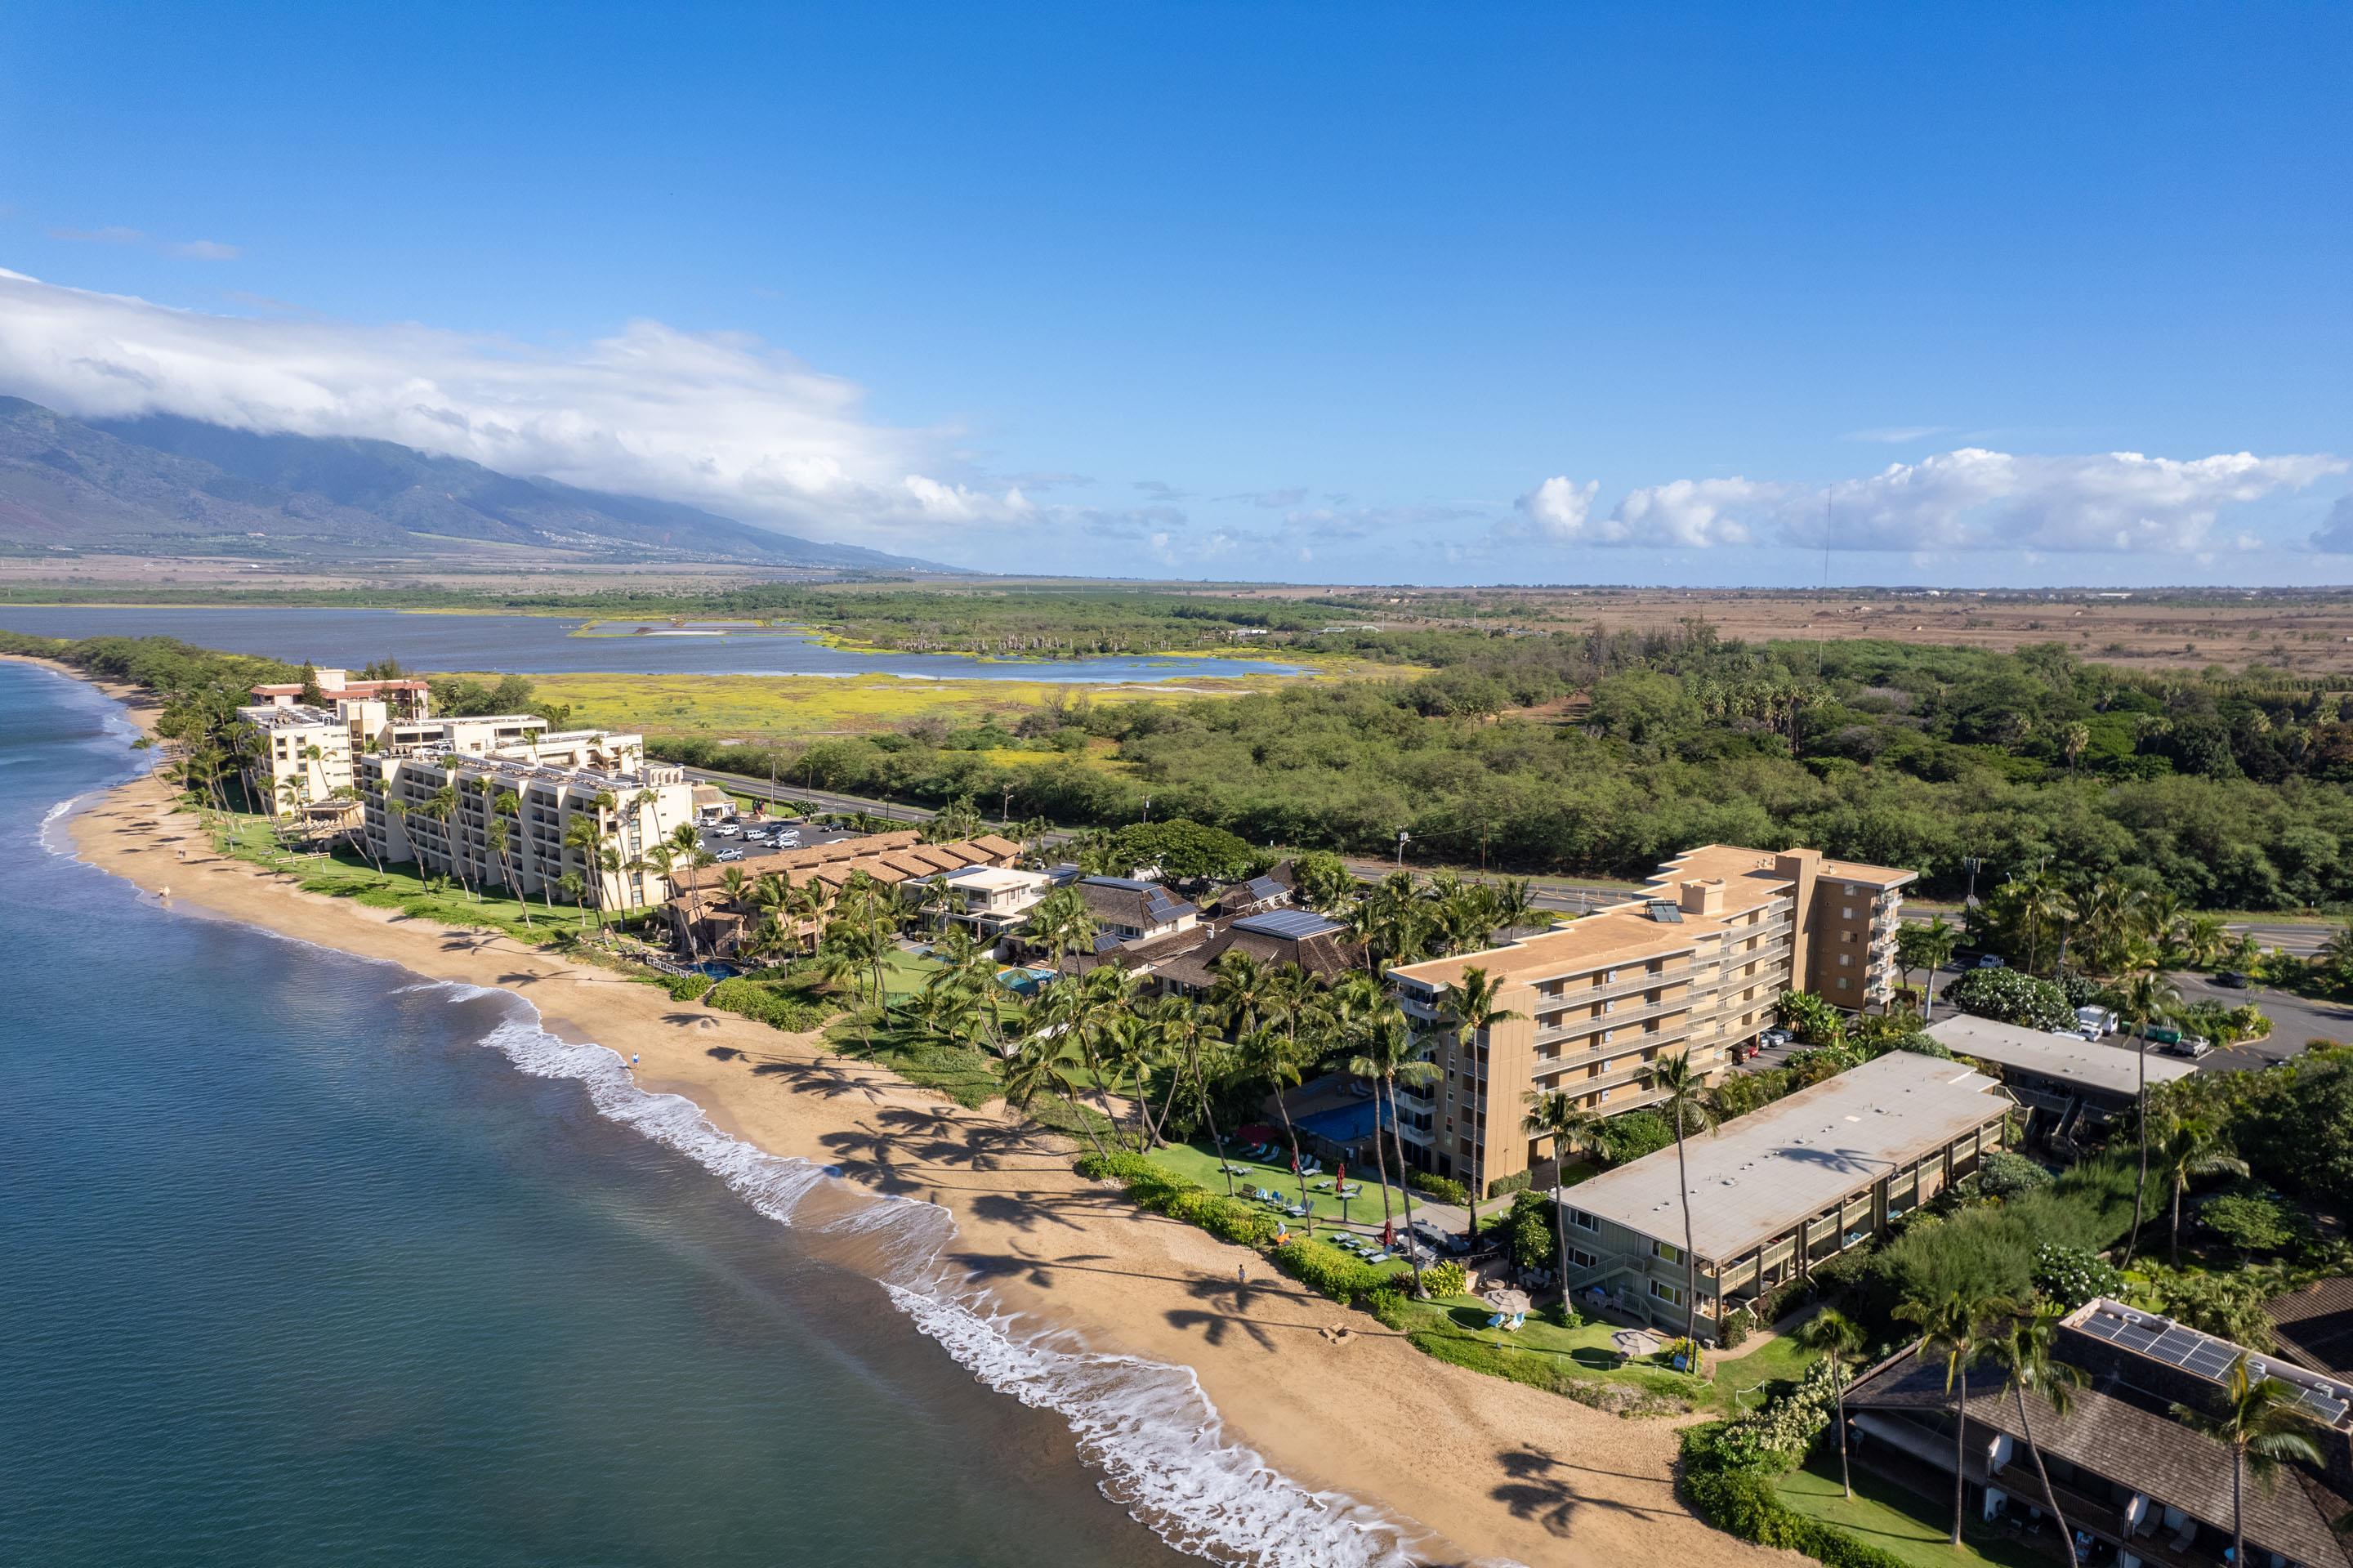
<point x="1689" y="512"/>
<point x="1561" y="507"/>
<point x="1968" y="499"/>
<point x="713" y="419"/>
<point x="205" y="250"/>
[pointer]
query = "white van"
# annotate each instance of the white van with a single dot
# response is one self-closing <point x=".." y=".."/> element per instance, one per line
<point x="2094" y="1023"/>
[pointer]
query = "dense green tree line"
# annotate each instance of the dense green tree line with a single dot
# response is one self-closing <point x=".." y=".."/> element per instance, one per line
<point x="2226" y="790"/>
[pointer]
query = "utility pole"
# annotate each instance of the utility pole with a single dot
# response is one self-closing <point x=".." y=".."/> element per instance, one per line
<point x="1402" y="836"/>
<point x="1970" y="865"/>
<point x="1147" y="808"/>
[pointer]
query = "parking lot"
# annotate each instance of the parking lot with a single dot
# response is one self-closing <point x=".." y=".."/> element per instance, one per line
<point x="2296" y="1023"/>
<point x="747" y="838"/>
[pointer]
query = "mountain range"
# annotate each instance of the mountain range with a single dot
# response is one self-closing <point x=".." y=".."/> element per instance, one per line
<point x="162" y="485"/>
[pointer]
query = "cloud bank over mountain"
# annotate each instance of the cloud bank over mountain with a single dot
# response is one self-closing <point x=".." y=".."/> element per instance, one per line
<point x="712" y="419"/>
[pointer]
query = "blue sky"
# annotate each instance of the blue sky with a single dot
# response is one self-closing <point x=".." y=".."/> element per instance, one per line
<point x="1377" y="292"/>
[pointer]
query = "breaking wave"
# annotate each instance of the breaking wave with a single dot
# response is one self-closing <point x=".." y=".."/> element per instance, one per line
<point x="1146" y="1425"/>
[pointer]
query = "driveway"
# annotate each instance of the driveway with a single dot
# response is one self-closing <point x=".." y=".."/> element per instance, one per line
<point x="2296" y="1023"/>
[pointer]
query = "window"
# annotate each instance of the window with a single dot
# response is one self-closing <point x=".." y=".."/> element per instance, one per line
<point x="1583" y="1221"/>
<point x="1846" y="961"/>
<point x="1665" y="1292"/>
<point x="1667" y="1250"/>
<point x="1842" y="985"/>
<point x="1847" y="912"/>
<point x="1579" y="1259"/>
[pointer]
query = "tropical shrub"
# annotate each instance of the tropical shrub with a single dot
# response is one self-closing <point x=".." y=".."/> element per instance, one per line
<point x="754" y="1000"/>
<point x="2252" y="1217"/>
<point x="2012" y="996"/>
<point x="2007" y="1175"/>
<point x="1517" y="1181"/>
<point x="1446" y="1278"/>
<point x="1527" y="1233"/>
<point x="684" y="988"/>
<point x="1812" y="1019"/>
<point x="1445" y="1189"/>
<point x="1322" y="1266"/>
<point x="1631" y="1135"/>
<point x="2072" y="1276"/>
<point x="1920" y="1043"/>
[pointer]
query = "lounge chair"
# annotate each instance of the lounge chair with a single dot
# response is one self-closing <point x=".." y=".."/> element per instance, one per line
<point x="1300" y="1211"/>
<point x="1311" y="1166"/>
<point x="1497" y="1320"/>
<point x="1519" y="1320"/>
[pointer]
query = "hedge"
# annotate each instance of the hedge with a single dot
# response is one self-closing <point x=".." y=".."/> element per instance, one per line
<point x="1444" y="1188"/>
<point x="1743" y="1503"/>
<point x="1317" y="1265"/>
<point x="1517" y="1181"/>
<point x="754" y="1000"/>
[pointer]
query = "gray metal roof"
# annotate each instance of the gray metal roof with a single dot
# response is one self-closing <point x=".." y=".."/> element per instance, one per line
<point x="1291" y="924"/>
<point x="1759" y="1174"/>
<point x="2095" y="1066"/>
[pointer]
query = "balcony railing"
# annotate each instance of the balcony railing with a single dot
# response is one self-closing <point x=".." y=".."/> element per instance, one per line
<point x="1545" y="1069"/>
<point x="1628" y="981"/>
<point x="1624" y="1016"/>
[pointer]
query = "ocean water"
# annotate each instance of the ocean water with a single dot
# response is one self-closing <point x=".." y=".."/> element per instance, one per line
<point x="303" y="1260"/>
<point x="540" y="644"/>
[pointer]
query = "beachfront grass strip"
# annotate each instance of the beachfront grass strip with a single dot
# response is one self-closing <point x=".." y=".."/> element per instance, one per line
<point x="1904" y="1525"/>
<point x="1199" y="1163"/>
<point x="1577" y="1363"/>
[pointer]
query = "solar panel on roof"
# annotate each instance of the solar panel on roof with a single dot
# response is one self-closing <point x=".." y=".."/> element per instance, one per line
<point x="1667" y="911"/>
<point x="1126" y="883"/>
<point x="1291" y="924"/>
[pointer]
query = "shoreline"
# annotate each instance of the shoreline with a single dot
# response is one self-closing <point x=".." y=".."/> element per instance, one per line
<point x="1466" y="1466"/>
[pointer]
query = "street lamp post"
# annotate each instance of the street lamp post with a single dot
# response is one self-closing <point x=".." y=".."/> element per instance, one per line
<point x="1402" y="836"/>
<point x="1147" y="808"/>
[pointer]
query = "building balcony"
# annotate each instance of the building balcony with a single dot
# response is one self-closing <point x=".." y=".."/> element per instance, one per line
<point x="1621" y="1016"/>
<point x="1628" y="981"/>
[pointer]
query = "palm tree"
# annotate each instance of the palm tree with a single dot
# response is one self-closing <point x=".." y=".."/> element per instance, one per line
<point x="1391" y="1053"/>
<point x="1686" y="1108"/>
<point x="2192" y="1147"/>
<point x="2042" y="905"/>
<point x="2023" y="1352"/>
<point x="2263" y="1428"/>
<point x="1556" y="1114"/>
<point x="2148" y="998"/>
<point x="1836" y="1336"/>
<point x="1273" y="1056"/>
<point x="1953" y="1325"/>
<point x="2072" y="740"/>
<point x="1042" y="1066"/>
<point x="1186" y="1030"/>
<point x="506" y="808"/>
<point x="1471" y="1005"/>
<point x="1935" y="946"/>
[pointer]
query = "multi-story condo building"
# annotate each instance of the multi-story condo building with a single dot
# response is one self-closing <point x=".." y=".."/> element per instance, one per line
<point x="299" y="760"/>
<point x="557" y="777"/>
<point x="1695" y="963"/>
<point x="1778" y="1192"/>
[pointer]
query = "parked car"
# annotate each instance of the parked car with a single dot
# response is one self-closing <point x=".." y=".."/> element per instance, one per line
<point x="2231" y="978"/>
<point x="1990" y="961"/>
<point x="729" y="855"/>
<point x="1772" y="1037"/>
<point x="2189" y="1045"/>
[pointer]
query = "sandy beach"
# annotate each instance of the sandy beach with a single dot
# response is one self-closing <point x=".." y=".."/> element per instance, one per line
<point x="1485" y="1468"/>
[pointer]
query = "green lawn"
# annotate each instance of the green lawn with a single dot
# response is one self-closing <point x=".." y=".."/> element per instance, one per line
<point x="1896" y="1520"/>
<point x="1736" y="1380"/>
<point x="1199" y="1163"/>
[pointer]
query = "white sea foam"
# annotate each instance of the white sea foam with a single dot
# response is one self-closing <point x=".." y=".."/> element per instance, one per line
<point x="1146" y="1425"/>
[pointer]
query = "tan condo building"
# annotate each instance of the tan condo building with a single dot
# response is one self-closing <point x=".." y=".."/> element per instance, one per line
<point x="558" y="778"/>
<point x="1695" y="962"/>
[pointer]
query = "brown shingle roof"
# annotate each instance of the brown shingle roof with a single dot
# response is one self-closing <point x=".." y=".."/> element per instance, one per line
<point x="2120" y="1440"/>
<point x="2315" y="1324"/>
